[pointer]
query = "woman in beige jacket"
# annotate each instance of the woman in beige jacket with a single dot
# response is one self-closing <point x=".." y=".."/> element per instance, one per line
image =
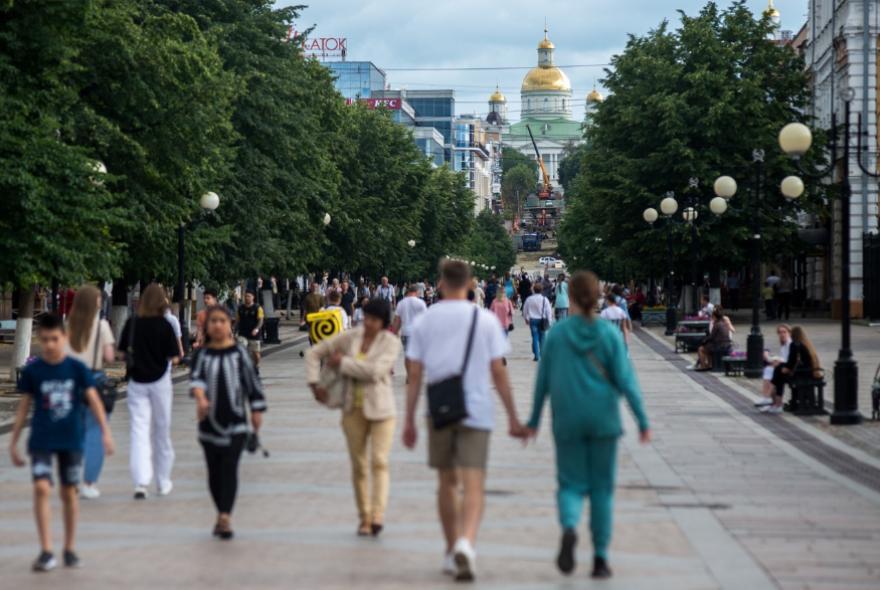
<point x="364" y="356"/>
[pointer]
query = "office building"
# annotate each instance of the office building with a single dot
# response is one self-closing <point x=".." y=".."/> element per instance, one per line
<point x="356" y="79"/>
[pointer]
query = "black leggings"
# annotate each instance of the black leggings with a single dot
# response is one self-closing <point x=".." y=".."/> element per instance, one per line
<point x="223" y="471"/>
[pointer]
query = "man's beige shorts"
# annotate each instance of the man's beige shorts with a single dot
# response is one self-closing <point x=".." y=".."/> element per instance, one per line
<point x="458" y="446"/>
<point x="253" y="346"/>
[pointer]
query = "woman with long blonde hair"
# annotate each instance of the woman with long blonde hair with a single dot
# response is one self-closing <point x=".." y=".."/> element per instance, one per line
<point x="90" y="340"/>
<point x="802" y="357"/>
<point x="150" y="348"/>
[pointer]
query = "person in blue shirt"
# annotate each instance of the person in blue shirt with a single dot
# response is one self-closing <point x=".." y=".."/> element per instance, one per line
<point x="59" y="388"/>
<point x="584" y="370"/>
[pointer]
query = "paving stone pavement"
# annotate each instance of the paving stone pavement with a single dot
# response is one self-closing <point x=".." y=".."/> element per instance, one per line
<point x="715" y="502"/>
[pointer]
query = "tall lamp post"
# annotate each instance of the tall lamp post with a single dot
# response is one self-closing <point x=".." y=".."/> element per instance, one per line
<point x="795" y="140"/>
<point x="208" y="202"/>
<point x="792" y="187"/>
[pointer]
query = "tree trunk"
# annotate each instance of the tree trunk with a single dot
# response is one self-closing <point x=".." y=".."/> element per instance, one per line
<point x="23" y="328"/>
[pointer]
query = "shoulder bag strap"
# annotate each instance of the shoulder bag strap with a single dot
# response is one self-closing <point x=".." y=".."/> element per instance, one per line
<point x="467" y="351"/>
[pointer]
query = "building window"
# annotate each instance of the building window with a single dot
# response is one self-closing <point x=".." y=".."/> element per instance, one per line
<point x="546" y="104"/>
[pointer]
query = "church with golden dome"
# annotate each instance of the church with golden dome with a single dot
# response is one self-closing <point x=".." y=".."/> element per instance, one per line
<point x="546" y="107"/>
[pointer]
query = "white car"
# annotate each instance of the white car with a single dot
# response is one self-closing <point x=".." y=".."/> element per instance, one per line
<point x="547" y="260"/>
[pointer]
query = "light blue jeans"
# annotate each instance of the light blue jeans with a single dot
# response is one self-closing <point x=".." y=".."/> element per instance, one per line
<point x="537" y="338"/>
<point x="93" y="449"/>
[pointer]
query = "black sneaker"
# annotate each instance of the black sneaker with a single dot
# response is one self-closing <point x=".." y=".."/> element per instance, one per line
<point x="601" y="570"/>
<point x="45" y="562"/>
<point x="566" y="562"/>
<point x="71" y="559"/>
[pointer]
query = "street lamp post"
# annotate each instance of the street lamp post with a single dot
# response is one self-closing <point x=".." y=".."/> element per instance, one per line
<point x="208" y="202"/>
<point x="725" y="187"/>
<point x="795" y="140"/>
<point x="669" y="207"/>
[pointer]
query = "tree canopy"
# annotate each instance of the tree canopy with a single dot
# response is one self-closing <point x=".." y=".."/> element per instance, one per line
<point x="676" y="97"/>
<point x="180" y="97"/>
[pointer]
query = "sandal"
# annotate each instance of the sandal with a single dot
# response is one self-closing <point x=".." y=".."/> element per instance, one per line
<point x="365" y="529"/>
<point x="223" y="530"/>
<point x="376" y="528"/>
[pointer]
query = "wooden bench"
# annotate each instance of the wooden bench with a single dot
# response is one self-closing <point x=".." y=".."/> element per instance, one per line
<point x="807" y="394"/>
<point x="654" y="316"/>
<point x="7" y="330"/>
<point x="734" y="365"/>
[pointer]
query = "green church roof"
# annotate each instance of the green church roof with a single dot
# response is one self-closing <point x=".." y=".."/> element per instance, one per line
<point x="554" y="129"/>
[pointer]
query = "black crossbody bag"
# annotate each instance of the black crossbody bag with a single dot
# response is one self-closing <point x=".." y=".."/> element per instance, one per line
<point x="446" y="403"/>
<point x="107" y="387"/>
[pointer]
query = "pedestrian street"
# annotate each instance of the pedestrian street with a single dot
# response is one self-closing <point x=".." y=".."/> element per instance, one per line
<point x="716" y="501"/>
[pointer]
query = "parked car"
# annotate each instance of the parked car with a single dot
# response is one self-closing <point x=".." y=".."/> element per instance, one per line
<point x="547" y="260"/>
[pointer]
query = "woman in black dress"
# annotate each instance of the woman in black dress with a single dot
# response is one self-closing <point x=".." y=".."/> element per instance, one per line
<point x="223" y="380"/>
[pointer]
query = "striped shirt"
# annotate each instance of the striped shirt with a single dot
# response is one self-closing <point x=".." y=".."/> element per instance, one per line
<point x="228" y="378"/>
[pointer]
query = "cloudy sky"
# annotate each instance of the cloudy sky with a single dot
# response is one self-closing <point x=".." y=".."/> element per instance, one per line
<point x="401" y="34"/>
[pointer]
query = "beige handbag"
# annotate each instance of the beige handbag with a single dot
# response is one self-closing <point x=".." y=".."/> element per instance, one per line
<point x="333" y="382"/>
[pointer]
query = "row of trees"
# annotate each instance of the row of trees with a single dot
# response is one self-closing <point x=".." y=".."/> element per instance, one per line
<point x="180" y="97"/>
<point x="692" y="101"/>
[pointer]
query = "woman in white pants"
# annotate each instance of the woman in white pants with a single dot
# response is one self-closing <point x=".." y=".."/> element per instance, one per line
<point x="150" y="348"/>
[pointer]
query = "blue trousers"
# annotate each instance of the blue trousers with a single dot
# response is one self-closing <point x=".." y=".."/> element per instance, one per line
<point x="93" y="449"/>
<point x="537" y="337"/>
<point x="586" y="467"/>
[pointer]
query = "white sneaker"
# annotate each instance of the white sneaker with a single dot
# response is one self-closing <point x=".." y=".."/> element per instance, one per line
<point x="165" y="488"/>
<point x="89" y="492"/>
<point x="764" y="402"/>
<point x="774" y="409"/>
<point x="449" y="567"/>
<point x="692" y="367"/>
<point x="465" y="560"/>
<point x="140" y="492"/>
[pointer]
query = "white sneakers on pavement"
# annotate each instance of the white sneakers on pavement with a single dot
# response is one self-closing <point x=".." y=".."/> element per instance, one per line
<point x="764" y="402"/>
<point x="449" y="567"/>
<point x="770" y="409"/>
<point x="89" y="492"/>
<point x="140" y="492"/>
<point x="465" y="560"/>
<point x="165" y="488"/>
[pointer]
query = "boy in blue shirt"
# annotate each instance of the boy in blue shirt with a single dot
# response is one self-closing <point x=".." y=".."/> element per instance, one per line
<point x="59" y="388"/>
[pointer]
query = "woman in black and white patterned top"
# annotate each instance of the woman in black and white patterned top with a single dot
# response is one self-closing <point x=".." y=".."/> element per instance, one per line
<point x="222" y="381"/>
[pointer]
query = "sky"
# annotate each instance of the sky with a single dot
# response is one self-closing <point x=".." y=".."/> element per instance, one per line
<point x="399" y="34"/>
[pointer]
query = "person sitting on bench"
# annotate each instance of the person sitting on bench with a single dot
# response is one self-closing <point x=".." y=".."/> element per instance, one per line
<point x="718" y="340"/>
<point x="801" y="358"/>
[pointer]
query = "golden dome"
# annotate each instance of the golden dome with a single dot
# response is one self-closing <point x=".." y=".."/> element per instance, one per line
<point x="497" y="96"/>
<point x="546" y="43"/>
<point x="595" y="96"/>
<point x="551" y="78"/>
<point x="771" y="10"/>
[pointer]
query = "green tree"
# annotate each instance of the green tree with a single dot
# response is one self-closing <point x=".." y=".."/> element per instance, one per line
<point x="516" y="184"/>
<point x="675" y="96"/>
<point x="155" y="103"/>
<point x="511" y="158"/>
<point x="287" y="123"/>
<point x="55" y="213"/>
<point x="448" y="215"/>
<point x="490" y="244"/>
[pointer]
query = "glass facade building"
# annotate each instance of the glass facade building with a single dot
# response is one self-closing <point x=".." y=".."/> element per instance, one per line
<point x="356" y="79"/>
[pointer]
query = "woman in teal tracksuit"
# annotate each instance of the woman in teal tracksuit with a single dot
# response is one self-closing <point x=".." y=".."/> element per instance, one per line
<point x="584" y="369"/>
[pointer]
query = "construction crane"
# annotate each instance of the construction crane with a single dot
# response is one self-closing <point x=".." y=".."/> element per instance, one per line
<point x="547" y="191"/>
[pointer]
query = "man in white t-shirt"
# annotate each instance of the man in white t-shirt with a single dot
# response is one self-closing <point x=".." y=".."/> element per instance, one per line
<point x="409" y="308"/>
<point x="618" y="317"/>
<point x="459" y="453"/>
